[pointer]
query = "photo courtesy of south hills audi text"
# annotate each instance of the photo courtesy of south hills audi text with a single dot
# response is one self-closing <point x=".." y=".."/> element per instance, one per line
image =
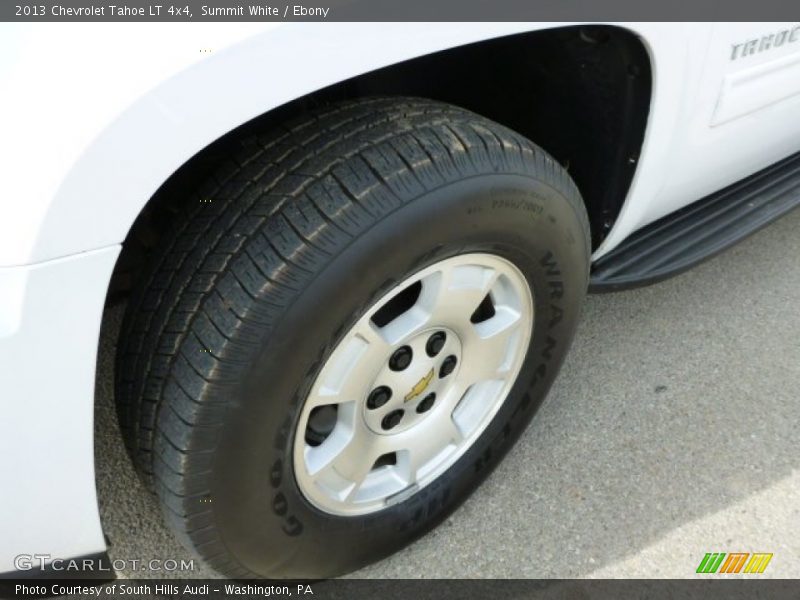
<point x="124" y="589"/>
<point x="285" y="285"/>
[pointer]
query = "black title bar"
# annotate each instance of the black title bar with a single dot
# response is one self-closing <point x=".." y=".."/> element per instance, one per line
<point x="399" y="10"/>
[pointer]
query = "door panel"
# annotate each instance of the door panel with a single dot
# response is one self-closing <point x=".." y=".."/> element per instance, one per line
<point x="745" y="114"/>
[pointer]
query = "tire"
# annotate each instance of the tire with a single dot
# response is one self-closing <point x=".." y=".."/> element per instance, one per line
<point x="282" y="251"/>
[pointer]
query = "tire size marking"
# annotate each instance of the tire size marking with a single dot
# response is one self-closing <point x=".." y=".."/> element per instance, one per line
<point x="533" y="209"/>
<point x="522" y="204"/>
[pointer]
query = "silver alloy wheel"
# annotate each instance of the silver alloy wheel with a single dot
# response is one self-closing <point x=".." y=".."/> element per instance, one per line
<point x="396" y="404"/>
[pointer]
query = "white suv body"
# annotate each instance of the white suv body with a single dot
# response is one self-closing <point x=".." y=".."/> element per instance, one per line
<point x="94" y="119"/>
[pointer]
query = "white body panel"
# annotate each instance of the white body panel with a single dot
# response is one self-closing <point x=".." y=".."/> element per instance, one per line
<point x="49" y="328"/>
<point x="704" y="153"/>
<point x="93" y="119"/>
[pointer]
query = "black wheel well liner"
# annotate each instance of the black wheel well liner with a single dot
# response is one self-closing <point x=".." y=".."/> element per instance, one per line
<point x="580" y="92"/>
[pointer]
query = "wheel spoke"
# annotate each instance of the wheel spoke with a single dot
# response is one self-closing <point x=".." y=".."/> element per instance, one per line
<point x="355" y="466"/>
<point x="350" y="459"/>
<point x="440" y="435"/>
<point x="487" y="348"/>
<point x="454" y="434"/>
<point x="348" y="371"/>
<point x="405" y="325"/>
<point x="460" y="291"/>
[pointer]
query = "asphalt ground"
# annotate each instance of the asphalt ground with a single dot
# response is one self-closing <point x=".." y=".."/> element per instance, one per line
<point x="672" y="431"/>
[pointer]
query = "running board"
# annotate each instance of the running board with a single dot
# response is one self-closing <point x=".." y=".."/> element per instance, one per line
<point x="689" y="236"/>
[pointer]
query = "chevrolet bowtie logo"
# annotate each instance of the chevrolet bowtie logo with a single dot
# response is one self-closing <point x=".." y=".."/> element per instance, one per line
<point x="420" y="387"/>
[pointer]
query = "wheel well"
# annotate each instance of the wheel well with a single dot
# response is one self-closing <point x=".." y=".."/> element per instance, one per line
<point x="580" y="92"/>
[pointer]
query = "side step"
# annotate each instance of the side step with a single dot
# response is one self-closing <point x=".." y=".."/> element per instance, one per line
<point x="689" y="236"/>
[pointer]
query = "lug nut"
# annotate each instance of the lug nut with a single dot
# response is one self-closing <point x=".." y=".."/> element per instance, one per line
<point x="448" y="366"/>
<point x="435" y="343"/>
<point x="378" y="397"/>
<point x="427" y="403"/>
<point x="393" y="419"/>
<point x="401" y="359"/>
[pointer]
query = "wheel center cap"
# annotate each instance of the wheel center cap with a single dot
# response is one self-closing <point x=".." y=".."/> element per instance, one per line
<point x="418" y="389"/>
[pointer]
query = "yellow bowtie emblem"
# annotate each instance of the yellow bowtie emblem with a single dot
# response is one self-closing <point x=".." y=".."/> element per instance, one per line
<point x="420" y="387"/>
